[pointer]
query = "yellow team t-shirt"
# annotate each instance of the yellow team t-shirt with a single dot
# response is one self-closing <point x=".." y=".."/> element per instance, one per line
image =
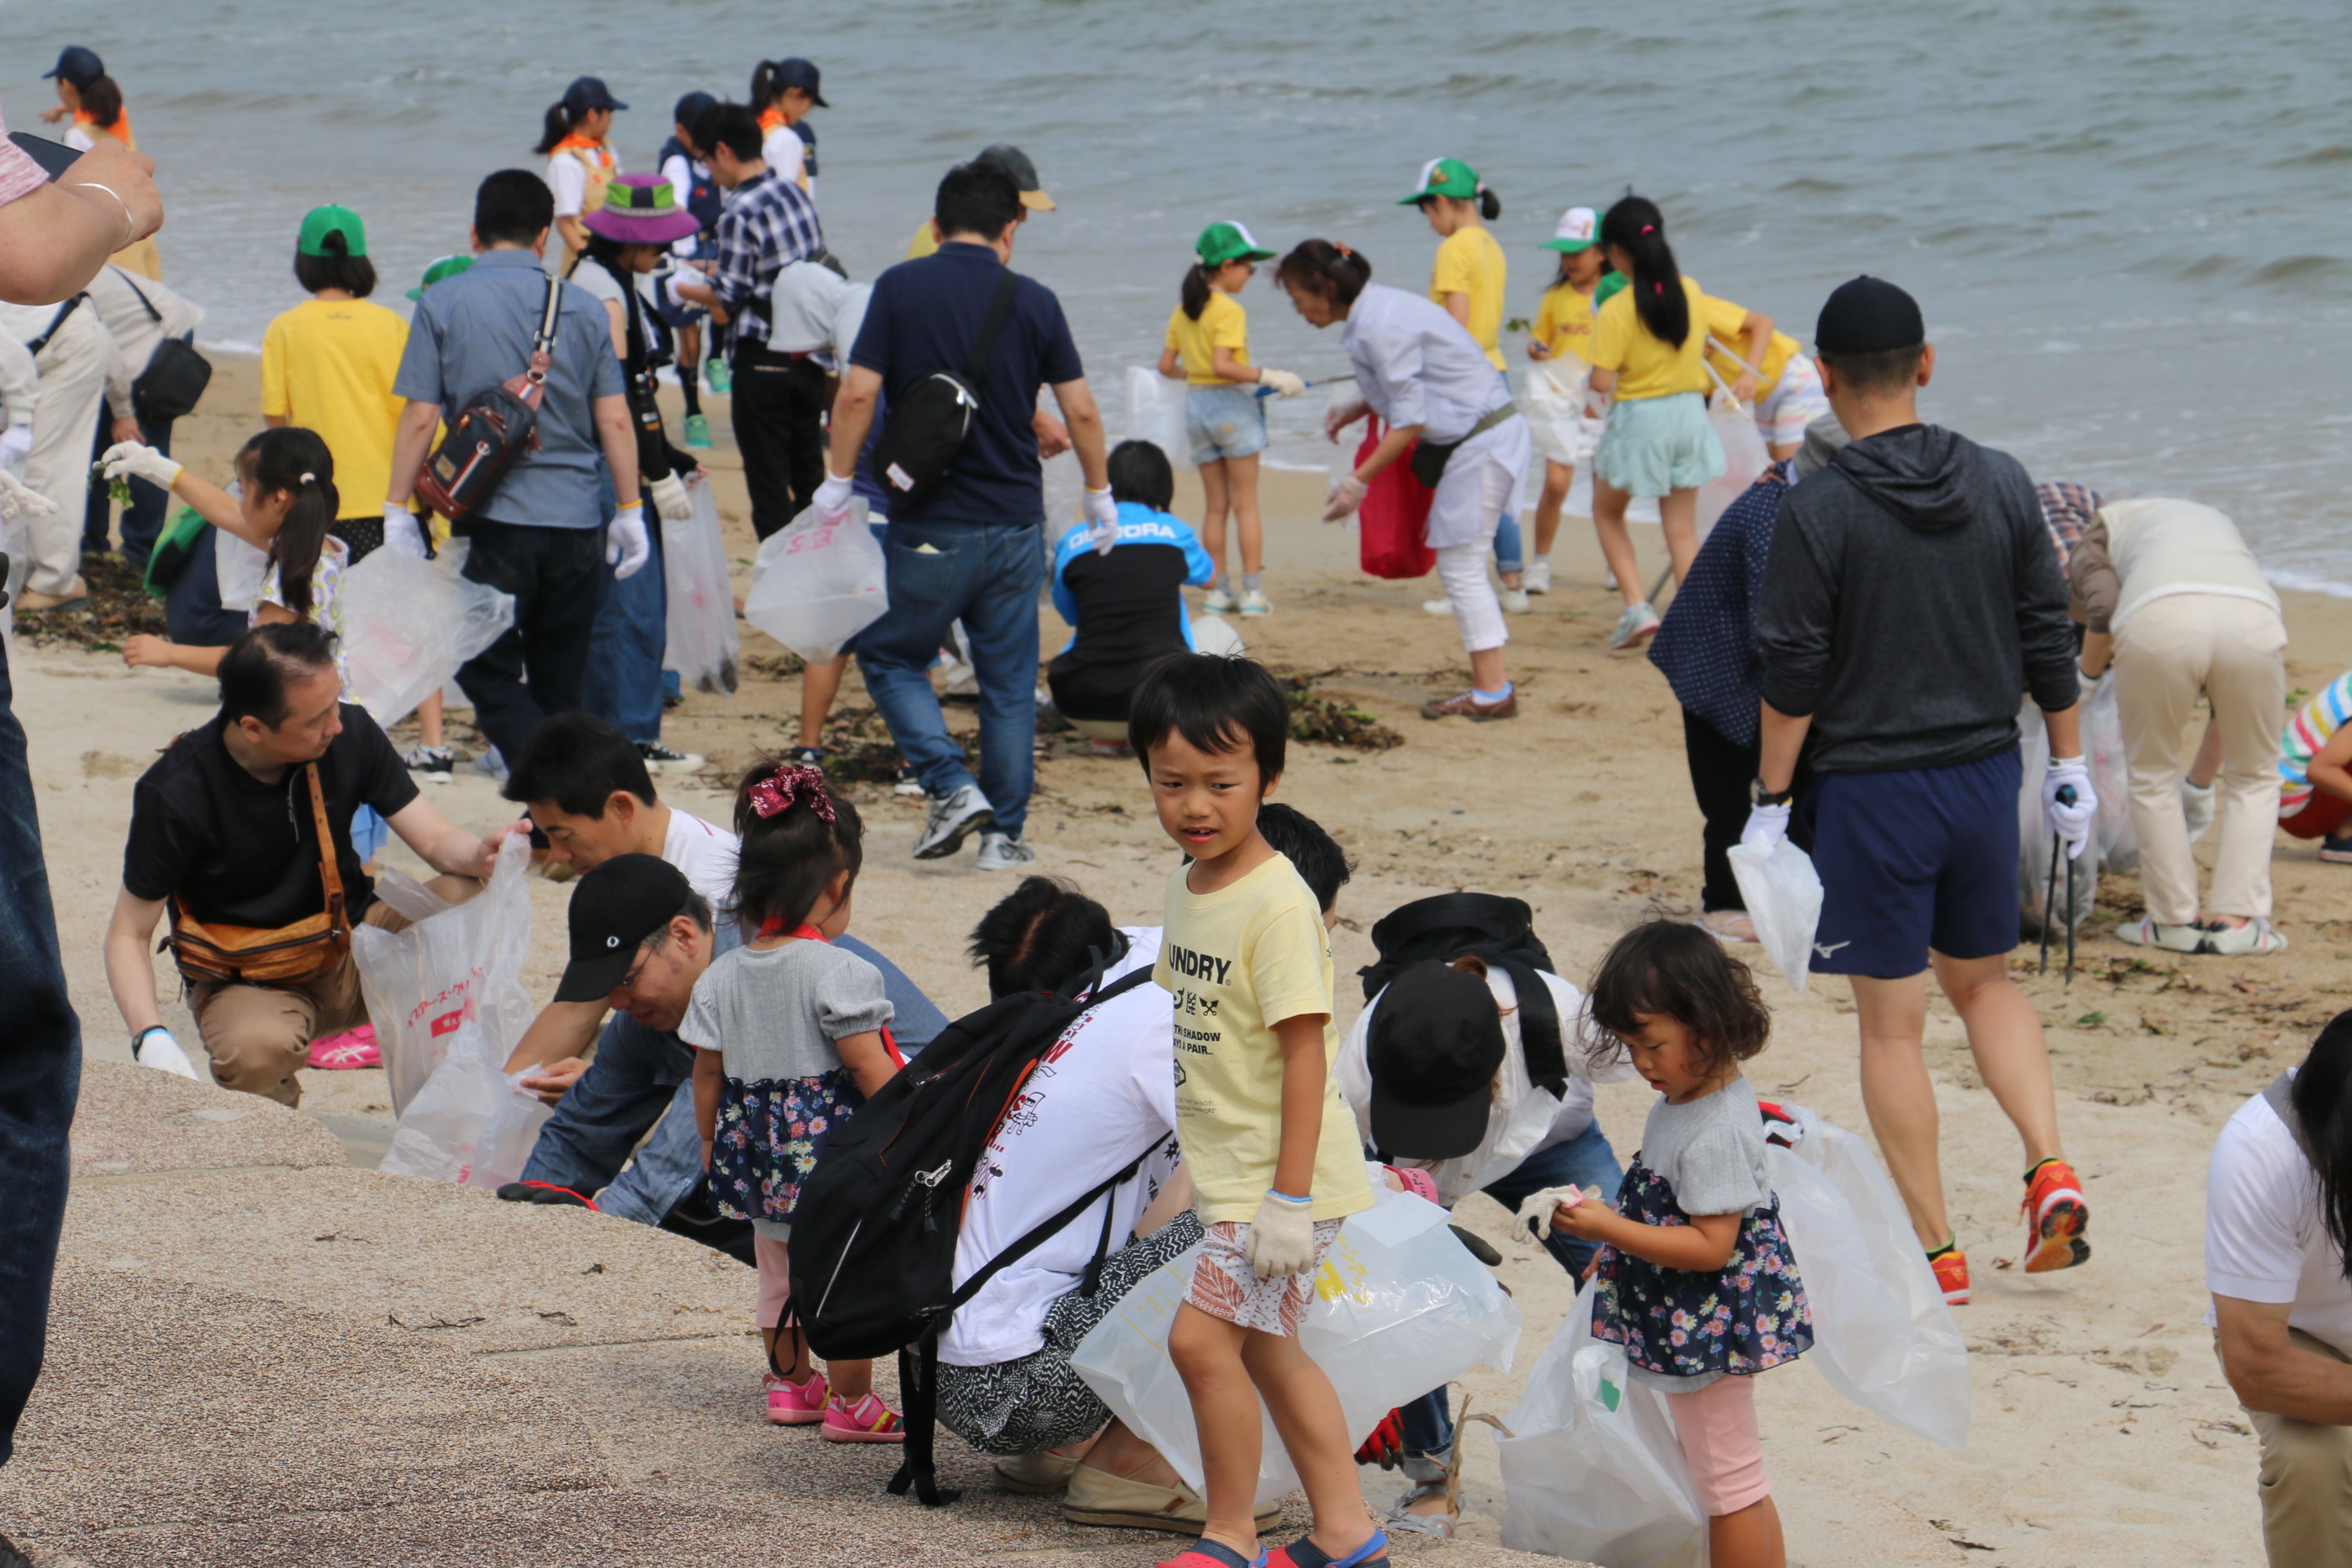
<point x="1647" y="365"/>
<point x="328" y="366"/>
<point x="924" y="243"/>
<point x="1564" y="325"/>
<point x="1470" y="262"/>
<point x="1723" y="318"/>
<point x="1223" y="324"/>
<point x="1238" y="962"/>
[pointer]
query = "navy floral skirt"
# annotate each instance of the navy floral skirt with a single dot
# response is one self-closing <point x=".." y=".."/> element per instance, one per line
<point x="1683" y="1323"/>
<point x="768" y="1139"/>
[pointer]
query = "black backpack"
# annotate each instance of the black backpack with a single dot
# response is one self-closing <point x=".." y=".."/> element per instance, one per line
<point x="875" y="1227"/>
<point x="927" y="427"/>
<point x="1486" y="925"/>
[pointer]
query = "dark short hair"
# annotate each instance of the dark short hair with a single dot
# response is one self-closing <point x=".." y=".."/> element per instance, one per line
<point x="1041" y="936"/>
<point x="1217" y="703"/>
<point x="261" y="664"/>
<point x="697" y="908"/>
<point x="353" y="274"/>
<point x="1319" y="267"/>
<point x="730" y="125"/>
<point x="578" y="761"/>
<point x="1314" y="854"/>
<point x="1140" y="473"/>
<point x="976" y="198"/>
<point x="1877" y="374"/>
<point x="1665" y="967"/>
<point x="512" y="207"/>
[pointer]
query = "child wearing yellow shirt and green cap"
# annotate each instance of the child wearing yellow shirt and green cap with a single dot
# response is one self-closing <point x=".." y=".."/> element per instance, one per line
<point x="1561" y="345"/>
<point x="1208" y="336"/>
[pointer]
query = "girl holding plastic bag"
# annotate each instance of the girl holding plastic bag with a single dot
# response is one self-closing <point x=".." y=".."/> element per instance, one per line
<point x="1559" y="344"/>
<point x="1695" y="1278"/>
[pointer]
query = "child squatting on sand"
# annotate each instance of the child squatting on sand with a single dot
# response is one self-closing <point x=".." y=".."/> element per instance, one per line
<point x="1271" y="1146"/>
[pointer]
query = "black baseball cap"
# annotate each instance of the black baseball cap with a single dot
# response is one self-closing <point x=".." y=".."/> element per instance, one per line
<point x="613" y="909"/>
<point x="798" y="72"/>
<point x="589" y="93"/>
<point x="78" y="66"/>
<point x="692" y="108"/>
<point x="1015" y="165"/>
<point x="1436" y="1043"/>
<point x="1867" y="316"/>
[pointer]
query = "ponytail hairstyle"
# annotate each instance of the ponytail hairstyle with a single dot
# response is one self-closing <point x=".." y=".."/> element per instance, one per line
<point x="1490" y="206"/>
<point x="1196" y="291"/>
<point x="765" y="88"/>
<point x="2321" y="1095"/>
<point x="557" y="126"/>
<point x="292" y="458"/>
<point x="1637" y="228"/>
<point x="356" y="275"/>
<point x="102" y="101"/>
<point x="797" y="835"/>
<point x="1326" y="268"/>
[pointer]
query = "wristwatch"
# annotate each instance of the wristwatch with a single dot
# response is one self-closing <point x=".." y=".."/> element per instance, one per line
<point x="1758" y="795"/>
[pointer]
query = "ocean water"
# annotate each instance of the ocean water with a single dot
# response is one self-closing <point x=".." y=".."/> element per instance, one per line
<point x="2130" y="225"/>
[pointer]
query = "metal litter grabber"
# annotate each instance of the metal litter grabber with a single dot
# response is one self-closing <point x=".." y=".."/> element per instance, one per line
<point x="2065" y="796"/>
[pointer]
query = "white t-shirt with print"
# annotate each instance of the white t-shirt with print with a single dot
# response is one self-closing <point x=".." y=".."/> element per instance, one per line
<point x="2265" y="1239"/>
<point x="706" y="854"/>
<point x="1106" y="1092"/>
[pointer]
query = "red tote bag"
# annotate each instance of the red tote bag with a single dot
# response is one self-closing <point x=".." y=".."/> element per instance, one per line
<point x="1394" y="516"/>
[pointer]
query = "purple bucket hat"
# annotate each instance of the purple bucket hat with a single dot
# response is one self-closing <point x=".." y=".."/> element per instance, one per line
<point x="641" y="209"/>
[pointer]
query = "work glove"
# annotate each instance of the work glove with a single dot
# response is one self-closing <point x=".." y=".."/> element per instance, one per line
<point x="1282" y="1237"/>
<point x="156" y="1049"/>
<point x="1282" y="383"/>
<point x="2070" y="820"/>
<point x="1385" y="1447"/>
<point x="139" y="463"/>
<point x="831" y="502"/>
<point x="1346" y="496"/>
<point x="400" y="533"/>
<point x="1339" y="416"/>
<point x="1536" y="1209"/>
<point x="626" y="548"/>
<point x="670" y="498"/>
<point x="1767" y="825"/>
<point x="16" y="500"/>
<point x="1102" y="513"/>
<point x="15" y="442"/>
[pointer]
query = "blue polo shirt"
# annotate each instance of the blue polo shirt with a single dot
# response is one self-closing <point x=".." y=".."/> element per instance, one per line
<point x="924" y="316"/>
<point x="473" y="331"/>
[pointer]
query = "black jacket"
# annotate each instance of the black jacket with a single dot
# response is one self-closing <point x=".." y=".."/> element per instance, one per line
<point x="1912" y="592"/>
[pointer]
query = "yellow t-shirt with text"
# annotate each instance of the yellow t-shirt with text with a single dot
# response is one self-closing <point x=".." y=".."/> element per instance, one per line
<point x="1223" y="324"/>
<point x="1647" y="365"/>
<point x="1564" y="325"/>
<point x="328" y="366"/>
<point x="1470" y="262"/>
<point x="1723" y="318"/>
<point x="1238" y="962"/>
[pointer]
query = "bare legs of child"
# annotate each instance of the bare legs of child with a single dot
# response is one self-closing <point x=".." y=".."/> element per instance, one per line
<point x="428" y="721"/>
<point x="820" y="684"/>
<point x="1678" y="512"/>
<point x="1230" y="485"/>
<point x="1558" y="479"/>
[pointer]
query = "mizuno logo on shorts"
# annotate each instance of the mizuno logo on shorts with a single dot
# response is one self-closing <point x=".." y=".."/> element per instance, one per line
<point x="1830" y="949"/>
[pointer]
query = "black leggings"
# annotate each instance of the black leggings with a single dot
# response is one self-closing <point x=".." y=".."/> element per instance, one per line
<point x="1721" y="770"/>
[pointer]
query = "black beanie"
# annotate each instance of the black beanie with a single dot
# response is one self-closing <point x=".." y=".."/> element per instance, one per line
<point x="1868" y="316"/>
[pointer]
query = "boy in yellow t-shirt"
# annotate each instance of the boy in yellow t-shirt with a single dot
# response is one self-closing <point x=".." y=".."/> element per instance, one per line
<point x="1270" y="1145"/>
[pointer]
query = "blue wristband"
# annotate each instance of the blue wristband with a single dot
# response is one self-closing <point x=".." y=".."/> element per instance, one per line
<point x="1286" y="1197"/>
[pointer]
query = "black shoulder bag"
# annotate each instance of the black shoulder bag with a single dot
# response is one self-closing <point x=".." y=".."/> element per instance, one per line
<point x="493" y="430"/>
<point x="926" y="428"/>
<point x="175" y="376"/>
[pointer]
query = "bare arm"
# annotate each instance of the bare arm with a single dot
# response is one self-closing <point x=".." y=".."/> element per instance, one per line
<point x="1303" y="1075"/>
<point x="618" y="318"/>
<point x="1086" y="422"/>
<point x="130" y="969"/>
<point x="217" y="507"/>
<point x="1783" y="738"/>
<point x="1705" y="1246"/>
<point x="275" y="421"/>
<point x="1170" y="367"/>
<point x="1229" y="365"/>
<point x="145" y="648"/>
<point x="1758" y="328"/>
<point x="2098" y="647"/>
<point x="443" y="846"/>
<point x="2270" y="1374"/>
<point x="867" y="1061"/>
<point x="2331" y="766"/>
<point x="54" y="239"/>
<point x="557" y="1040"/>
<point x="709" y="1077"/>
<point x="853" y="416"/>
<point x="411" y="439"/>
<point x="574" y="232"/>
<point x="616" y="431"/>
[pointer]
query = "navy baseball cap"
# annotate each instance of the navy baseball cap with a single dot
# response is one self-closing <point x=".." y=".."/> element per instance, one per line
<point x="78" y="66"/>
<point x="693" y="107"/>
<point x="798" y="72"/>
<point x="613" y="909"/>
<point x="589" y="93"/>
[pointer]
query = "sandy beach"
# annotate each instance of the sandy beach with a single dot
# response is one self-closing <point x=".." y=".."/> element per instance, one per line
<point x="2104" y="1432"/>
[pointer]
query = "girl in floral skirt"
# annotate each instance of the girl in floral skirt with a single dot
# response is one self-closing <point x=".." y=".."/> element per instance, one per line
<point x="1695" y="1277"/>
<point x="790" y="1037"/>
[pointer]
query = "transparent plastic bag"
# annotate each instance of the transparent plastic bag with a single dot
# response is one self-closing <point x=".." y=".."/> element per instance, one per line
<point x="238" y="571"/>
<point x="1400" y="1308"/>
<point x="1155" y="412"/>
<point x="508" y="1136"/>
<point x="1744" y="457"/>
<point x="2034" y="892"/>
<point x="816" y="585"/>
<point x="1882" y="1335"/>
<point x="702" y="646"/>
<point x="1066" y="492"/>
<point x="1552" y="401"/>
<point x="1783" y="894"/>
<point x="407" y="624"/>
<point x="2103" y="744"/>
<point x="1592" y="1470"/>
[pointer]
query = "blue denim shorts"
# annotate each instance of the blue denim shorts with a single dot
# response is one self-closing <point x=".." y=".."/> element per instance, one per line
<point x="1224" y="422"/>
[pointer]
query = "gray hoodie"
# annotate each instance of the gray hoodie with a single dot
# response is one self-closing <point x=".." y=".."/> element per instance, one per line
<point x="1911" y="595"/>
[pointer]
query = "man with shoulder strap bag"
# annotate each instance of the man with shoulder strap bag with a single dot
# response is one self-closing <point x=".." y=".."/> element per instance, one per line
<point x="154" y="377"/>
<point x="69" y="345"/>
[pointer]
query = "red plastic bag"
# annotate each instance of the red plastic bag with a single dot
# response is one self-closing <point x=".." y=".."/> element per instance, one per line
<point x="1394" y="516"/>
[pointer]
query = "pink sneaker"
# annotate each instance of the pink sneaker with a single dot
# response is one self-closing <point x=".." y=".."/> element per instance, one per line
<point x="351" y="1049"/>
<point x="867" y="1421"/>
<point x="793" y="1404"/>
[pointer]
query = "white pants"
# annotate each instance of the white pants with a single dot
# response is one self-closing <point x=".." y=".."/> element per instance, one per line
<point x="2232" y="650"/>
<point x="73" y="383"/>
<point x="1462" y="567"/>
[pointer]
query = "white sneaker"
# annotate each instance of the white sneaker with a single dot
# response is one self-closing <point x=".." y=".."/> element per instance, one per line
<point x="1638" y="621"/>
<point x="2196" y="804"/>
<point x="1218" y="601"/>
<point x="910" y="783"/>
<point x="2172" y="939"/>
<point x="1514" y="600"/>
<point x="160" y="1051"/>
<point x="1003" y="852"/>
<point x="1255" y="602"/>
<point x="1538" y="577"/>
<point x="952" y="820"/>
<point x="2255" y="937"/>
<point x="1437" y="606"/>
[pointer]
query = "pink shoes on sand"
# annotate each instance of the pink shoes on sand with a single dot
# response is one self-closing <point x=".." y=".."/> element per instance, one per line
<point x="810" y="1404"/>
<point x="351" y="1049"/>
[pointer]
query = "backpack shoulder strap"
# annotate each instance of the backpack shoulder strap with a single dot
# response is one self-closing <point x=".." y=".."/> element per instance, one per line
<point x="152" y="314"/>
<point x="997" y="306"/>
<point x="1540" y="1041"/>
<point x="330" y="873"/>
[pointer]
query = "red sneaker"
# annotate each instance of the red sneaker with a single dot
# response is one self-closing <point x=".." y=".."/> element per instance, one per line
<point x="1951" y="1267"/>
<point x="2056" y="1218"/>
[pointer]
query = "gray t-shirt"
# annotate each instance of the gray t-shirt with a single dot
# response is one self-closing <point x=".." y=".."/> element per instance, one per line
<point x="1711" y="1150"/>
<point x="775" y="1014"/>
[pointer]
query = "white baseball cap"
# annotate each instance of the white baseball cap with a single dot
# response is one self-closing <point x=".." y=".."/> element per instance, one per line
<point x="1579" y="229"/>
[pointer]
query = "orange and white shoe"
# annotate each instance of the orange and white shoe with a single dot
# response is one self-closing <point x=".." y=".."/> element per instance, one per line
<point x="1951" y="1267"/>
<point x="2056" y="1218"/>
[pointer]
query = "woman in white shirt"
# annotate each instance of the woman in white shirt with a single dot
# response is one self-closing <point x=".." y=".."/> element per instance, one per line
<point x="782" y="92"/>
<point x="1423" y="372"/>
<point x="580" y="163"/>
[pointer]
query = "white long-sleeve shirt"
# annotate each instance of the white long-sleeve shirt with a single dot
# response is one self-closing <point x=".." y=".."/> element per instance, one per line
<point x="137" y="332"/>
<point x="20" y="380"/>
<point x="1415" y="364"/>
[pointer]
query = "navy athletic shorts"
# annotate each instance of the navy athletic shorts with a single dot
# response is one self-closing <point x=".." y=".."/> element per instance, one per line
<point x="1919" y="858"/>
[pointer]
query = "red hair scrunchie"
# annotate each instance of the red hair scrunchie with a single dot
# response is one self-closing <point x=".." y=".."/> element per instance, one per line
<point x="789" y="785"/>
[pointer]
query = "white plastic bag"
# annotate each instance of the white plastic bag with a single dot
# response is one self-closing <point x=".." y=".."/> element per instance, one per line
<point x="238" y="571"/>
<point x="1553" y="402"/>
<point x="2103" y="744"/>
<point x="2033" y="841"/>
<point x="1592" y="1470"/>
<point x="1783" y="894"/>
<point x="1155" y="412"/>
<point x="509" y="1135"/>
<point x="450" y="979"/>
<point x="1065" y="492"/>
<point x="1744" y="457"/>
<point x="1881" y="1333"/>
<point x="702" y="646"/>
<point x="407" y="624"/>
<point x="1400" y="1308"/>
<point x="816" y="585"/>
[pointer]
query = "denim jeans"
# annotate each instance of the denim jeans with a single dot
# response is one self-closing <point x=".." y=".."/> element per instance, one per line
<point x="40" y="1074"/>
<point x="624" y="658"/>
<point x="1586" y="1160"/>
<point x="1509" y="555"/>
<point x="537" y="664"/>
<point x="987" y="576"/>
<point x="142" y="518"/>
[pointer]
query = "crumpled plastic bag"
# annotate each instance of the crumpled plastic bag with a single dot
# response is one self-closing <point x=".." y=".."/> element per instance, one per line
<point x="702" y="646"/>
<point x="1155" y="412"/>
<point x="2103" y="744"/>
<point x="1553" y="402"/>
<point x="407" y="624"/>
<point x="1783" y="894"/>
<point x="1745" y="456"/>
<point x="816" y="585"/>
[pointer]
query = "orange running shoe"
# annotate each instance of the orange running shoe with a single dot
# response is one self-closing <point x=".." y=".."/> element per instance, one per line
<point x="2056" y="1218"/>
<point x="1951" y="1267"/>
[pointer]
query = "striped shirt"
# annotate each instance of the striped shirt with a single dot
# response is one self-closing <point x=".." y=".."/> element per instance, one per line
<point x="2068" y="510"/>
<point x="2311" y="728"/>
<point x="766" y="224"/>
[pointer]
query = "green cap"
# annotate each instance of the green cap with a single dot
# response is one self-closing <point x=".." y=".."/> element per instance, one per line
<point x="1611" y="283"/>
<point x="320" y="222"/>
<point x="446" y="266"/>
<point x="1222" y="242"/>
<point x="1445" y="177"/>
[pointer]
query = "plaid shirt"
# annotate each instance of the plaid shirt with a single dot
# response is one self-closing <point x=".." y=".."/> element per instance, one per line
<point x="767" y="223"/>
<point x="2068" y="510"/>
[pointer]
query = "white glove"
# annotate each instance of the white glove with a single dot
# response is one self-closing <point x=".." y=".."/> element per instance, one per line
<point x="16" y="500"/>
<point x="1767" y="827"/>
<point x="1339" y="416"/>
<point x="1282" y="1237"/>
<point x="670" y="498"/>
<point x="2071" y="822"/>
<point x="15" y="442"/>
<point x="400" y="533"/>
<point x="156" y="1049"/>
<point x="831" y="502"/>
<point x="1284" y="384"/>
<point x="626" y="548"/>
<point x="1345" y="497"/>
<point x="140" y="462"/>
<point x="1536" y="1209"/>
